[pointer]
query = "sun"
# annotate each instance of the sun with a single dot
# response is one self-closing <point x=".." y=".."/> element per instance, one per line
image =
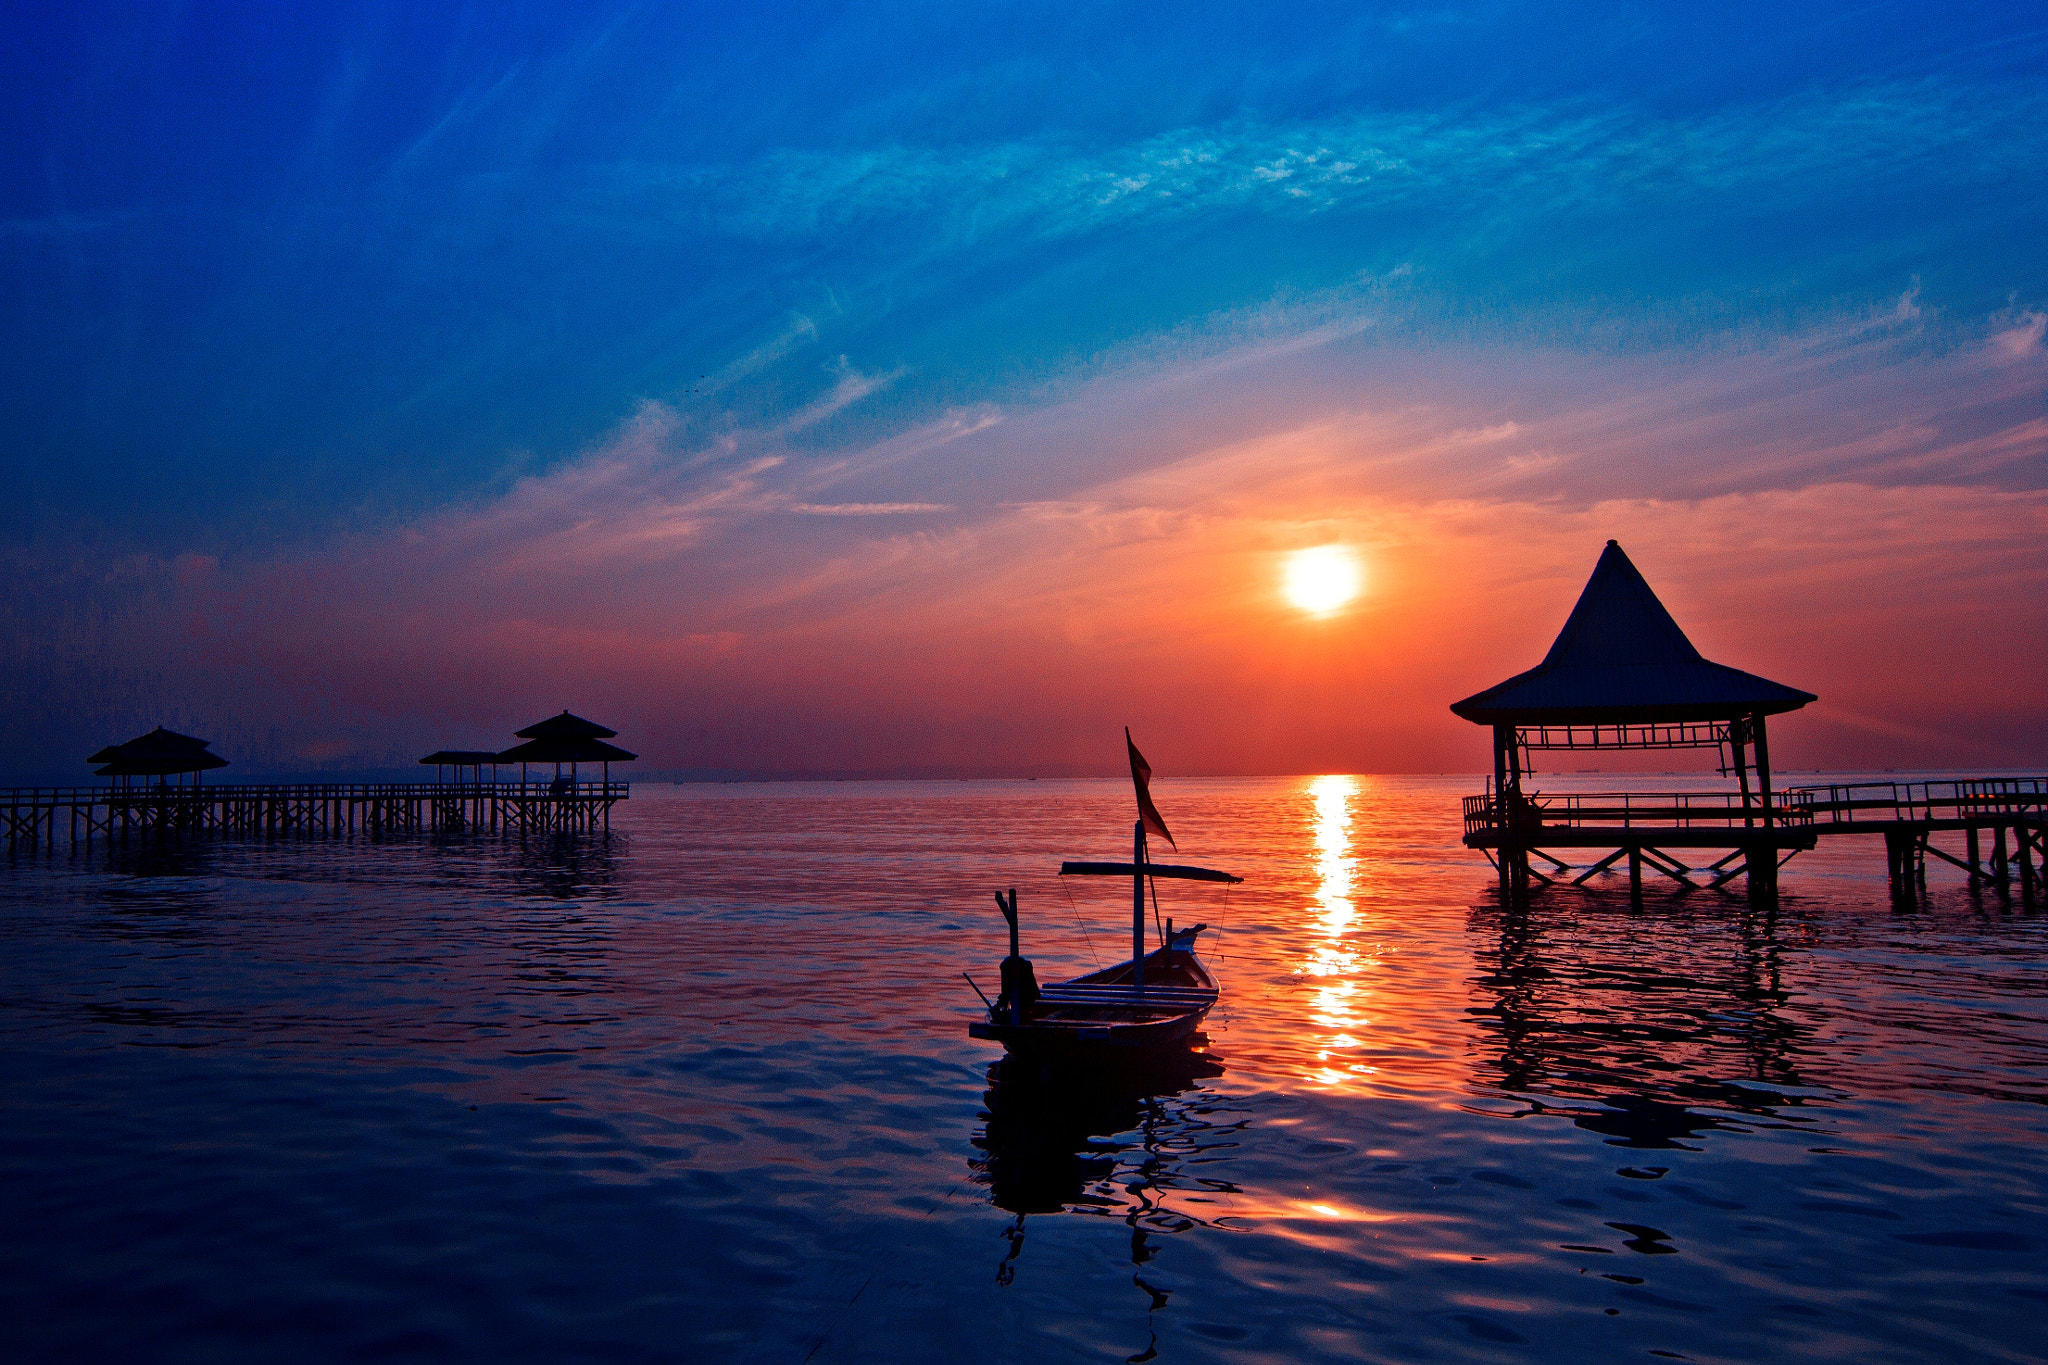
<point x="1322" y="579"/>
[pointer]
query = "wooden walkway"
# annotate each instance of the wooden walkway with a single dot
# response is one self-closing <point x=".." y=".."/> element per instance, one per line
<point x="42" y="816"/>
<point x="2001" y="820"/>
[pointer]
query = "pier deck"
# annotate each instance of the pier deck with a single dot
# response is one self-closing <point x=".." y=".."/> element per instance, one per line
<point x="36" y="816"/>
<point x="1764" y="830"/>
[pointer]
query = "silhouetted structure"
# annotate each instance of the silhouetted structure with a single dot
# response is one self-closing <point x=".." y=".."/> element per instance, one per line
<point x="566" y="739"/>
<point x="1622" y="675"/>
<point x="457" y="760"/>
<point x="160" y="754"/>
<point x="30" y="815"/>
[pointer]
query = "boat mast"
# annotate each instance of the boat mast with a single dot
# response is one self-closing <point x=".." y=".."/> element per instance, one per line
<point x="1138" y="906"/>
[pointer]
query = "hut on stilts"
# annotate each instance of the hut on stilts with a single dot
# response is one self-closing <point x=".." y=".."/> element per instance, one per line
<point x="161" y="754"/>
<point x="1623" y="676"/>
<point x="566" y="739"/>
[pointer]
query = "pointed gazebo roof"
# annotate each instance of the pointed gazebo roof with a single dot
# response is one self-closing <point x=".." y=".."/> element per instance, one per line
<point x="561" y="750"/>
<point x="159" y="753"/>
<point x="566" y="726"/>
<point x="1621" y="659"/>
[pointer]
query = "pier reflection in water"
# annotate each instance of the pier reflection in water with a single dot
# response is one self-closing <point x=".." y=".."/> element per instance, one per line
<point x="1651" y="1028"/>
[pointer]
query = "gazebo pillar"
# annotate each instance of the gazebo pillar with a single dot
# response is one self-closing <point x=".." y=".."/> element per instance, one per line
<point x="1506" y="778"/>
<point x="1738" y="749"/>
<point x="1763" y="768"/>
<point x="1762" y="859"/>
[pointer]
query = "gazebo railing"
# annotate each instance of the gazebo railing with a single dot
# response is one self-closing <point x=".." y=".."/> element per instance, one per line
<point x="1538" y="811"/>
<point x="1705" y="734"/>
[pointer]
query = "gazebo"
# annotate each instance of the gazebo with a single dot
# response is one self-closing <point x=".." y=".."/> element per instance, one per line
<point x="1622" y="675"/>
<point x="565" y="739"/>
<point x="160" y="754"/>
<point x="476" y="760"/>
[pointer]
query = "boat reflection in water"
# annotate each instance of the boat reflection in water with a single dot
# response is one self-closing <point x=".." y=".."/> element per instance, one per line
<point x="1146" y="1144"/>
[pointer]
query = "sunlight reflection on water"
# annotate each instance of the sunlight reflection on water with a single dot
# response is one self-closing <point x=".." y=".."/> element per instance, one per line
<point x="1340" y="990"/>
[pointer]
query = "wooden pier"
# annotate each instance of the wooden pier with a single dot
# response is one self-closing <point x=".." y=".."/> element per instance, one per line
<point x="2009" y="810"/>
<point x="2000" y="819"/>
<point x="42" y="816"/>
<point x="1621" y="675"/>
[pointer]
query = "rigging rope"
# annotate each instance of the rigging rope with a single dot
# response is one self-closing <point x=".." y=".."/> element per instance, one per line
<point x="1090" y="939"/>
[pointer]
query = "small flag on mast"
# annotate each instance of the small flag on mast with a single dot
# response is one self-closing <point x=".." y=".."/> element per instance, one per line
<point x="1141" y="778"/>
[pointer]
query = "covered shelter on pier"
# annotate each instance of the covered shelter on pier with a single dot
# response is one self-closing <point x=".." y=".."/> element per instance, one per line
<point x="566" y="739"/>
<point x="1622" y="675"/>
<point x="459" y="760"/>
<point x="160" y="754"/>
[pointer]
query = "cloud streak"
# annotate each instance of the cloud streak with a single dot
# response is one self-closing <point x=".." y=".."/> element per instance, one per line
<point x="1571" y="157"/>
<point x="1835" y="510"/>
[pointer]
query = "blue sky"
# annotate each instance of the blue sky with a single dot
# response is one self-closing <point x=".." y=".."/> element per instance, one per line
<point x="275" y="285"/>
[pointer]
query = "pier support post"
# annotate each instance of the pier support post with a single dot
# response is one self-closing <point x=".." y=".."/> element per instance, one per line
<point x="1760" y="876"/>
<point x="1898" y="861"/>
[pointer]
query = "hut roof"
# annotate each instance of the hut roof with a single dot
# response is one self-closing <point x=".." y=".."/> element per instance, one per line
<point x="461" y="758"/>
<point x="566" y="726"/>
<point x="159" y="753"/>
<point x="566" y="751"/>
<point x="1621" y="659"/>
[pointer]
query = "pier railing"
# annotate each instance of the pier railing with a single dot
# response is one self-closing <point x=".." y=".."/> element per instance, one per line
<point x="1539" y="811"/>
<point x="1974" y="800"/>
<point x="1835" y="807"/>
<point x="37" y="815"/>
<point x="48" y="796"/>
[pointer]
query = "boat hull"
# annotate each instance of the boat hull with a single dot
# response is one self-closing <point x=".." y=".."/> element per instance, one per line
<point x="1106" y="1012"/>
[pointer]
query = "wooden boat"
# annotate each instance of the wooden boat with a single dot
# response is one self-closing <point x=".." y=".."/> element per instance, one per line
<point x="1156" y="1000"/>
<point x="1113" y="1008"/>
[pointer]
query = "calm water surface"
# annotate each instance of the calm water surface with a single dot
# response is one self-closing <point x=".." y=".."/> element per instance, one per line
<point x="702" y="1091"/>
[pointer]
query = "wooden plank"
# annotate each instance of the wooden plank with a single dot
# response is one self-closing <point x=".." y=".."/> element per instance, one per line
<point x="1105" y="989"/>
<point x="1168" y="870"/>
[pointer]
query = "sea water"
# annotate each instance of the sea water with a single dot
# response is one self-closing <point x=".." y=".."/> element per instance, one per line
<point x="701" y="1090"/>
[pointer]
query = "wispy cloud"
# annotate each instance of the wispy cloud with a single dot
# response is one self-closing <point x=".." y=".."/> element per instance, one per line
<point x="848" y="388"/>
<point x="1551" y="158"/>
<point x="1120" y="542"/>
<point x="867" y="509"/>
<point x="2022" y="340"/>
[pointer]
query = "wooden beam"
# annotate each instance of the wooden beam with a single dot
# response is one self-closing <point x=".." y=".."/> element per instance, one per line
<point x="1597" y="868"/>
<point x="1730" y="875"/>
<point x="1677" y="870"/>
